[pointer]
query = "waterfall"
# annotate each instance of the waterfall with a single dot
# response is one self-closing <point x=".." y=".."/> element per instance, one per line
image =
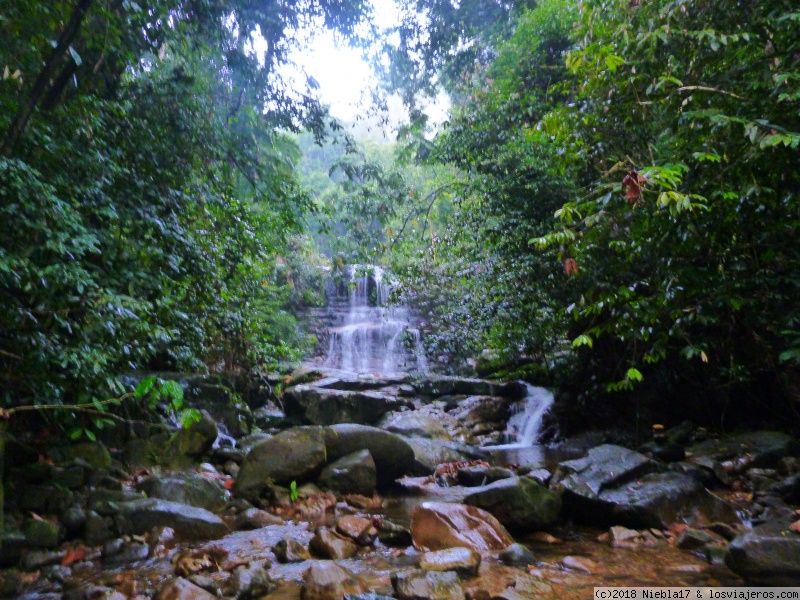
<point x="525" y="425"/>
<point x="374" y="336"/>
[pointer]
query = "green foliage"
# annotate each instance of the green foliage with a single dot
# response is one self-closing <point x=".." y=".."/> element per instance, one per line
<point x="145" y="194"/>
<point x="293" y="495"/>
<point x="156" y="391"/>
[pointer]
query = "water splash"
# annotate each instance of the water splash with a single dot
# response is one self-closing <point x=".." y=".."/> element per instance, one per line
<point x="525" y="425"/>
<point x="375" y="337"/>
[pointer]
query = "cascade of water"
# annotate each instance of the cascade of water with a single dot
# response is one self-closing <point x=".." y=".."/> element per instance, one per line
<point x="371" y="336"/>
<point x="525" y="425"/>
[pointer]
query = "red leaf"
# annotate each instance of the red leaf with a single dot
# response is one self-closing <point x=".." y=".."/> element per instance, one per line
<point x="632" y="185"/>
<point x="73" y="555"/>
<point x="571" y="266"/>
<point x="228" y="484"/>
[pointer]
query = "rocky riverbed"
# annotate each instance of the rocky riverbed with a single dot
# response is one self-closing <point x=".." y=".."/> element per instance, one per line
<point x="363" y="486"/>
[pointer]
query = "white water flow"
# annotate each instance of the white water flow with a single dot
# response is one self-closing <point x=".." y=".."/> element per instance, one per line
<point x="525" y="425"/>
<point x="375" y="337"/>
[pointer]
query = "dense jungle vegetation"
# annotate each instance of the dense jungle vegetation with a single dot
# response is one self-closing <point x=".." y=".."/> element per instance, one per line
<point x="612" y="207"/>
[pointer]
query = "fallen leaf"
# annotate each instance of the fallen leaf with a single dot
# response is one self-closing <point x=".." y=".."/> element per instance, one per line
<point x="73" y="555"/>
<point x="795" y="527"/>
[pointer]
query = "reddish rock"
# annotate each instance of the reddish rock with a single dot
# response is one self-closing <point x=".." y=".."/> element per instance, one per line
<point x="506" y="582"/>
<point x="464" y="561"/>
<point x="181" y="589"/>
<point x="325" y="580"/>
<point x="358" y="529"/>
<point x="329" y="544"/>
<point x="440" y="525"/>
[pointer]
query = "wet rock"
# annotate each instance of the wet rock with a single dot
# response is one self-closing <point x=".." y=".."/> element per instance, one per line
<point x="354" y="473"/>
<point x="290" y="551"/>
<point x="182" y="589"/>
<point x="506" y="583"/>
<point x="763" y="449"/>
<point x="439" y="525"/>
<point x="789" y="489"/>
<point x="36" y="559"/>
<point x="92" y="591"/>
<point x="518" y="503"/>
<point x="476" y="411"/>
<point x="542" y="537"/>
<point x="601" y="468"/>
<point x="255" y="518"/>
<point x="198" y="438"/>
<point x="479" y="475"/>
<point x="419" y="585"/>
<point x="189" y="522"/>
<point x="326" y="406"/>
<point x="187" y="488"/>
<point x="98" y="528"/>
<point x="580" y="564"/>
<point x="72" y="476"/>
<point x="767" y="555"/>
<point x="74" y="521"/>
<point x="55" y="573"/>
<point x="463" y="561"/>
<point x="392" y="534"/>
<point x="622" y="537"/>
<point x="358" y="529"/>
<point x="613" y="485"/>
<point x="217" y="396"/>
<point x="249" y="583"/>
<point x="325" y="580"/>
<point x="415" y="424"/>
<point x="517" y="555"/>
<point x="331" y="545"/>
<point x="440" y="386"/>
<point x="692" y="539"/>
<point x="106" y="502"/>
<point x="428" y="454"/>
<point x="664" y="451"/>
<point x="392" y="455"/>
<point x="129" y="553"/>
<point x="367" y="596"/>
<point x="294" y="455"/>
<point x="543" y="476"/>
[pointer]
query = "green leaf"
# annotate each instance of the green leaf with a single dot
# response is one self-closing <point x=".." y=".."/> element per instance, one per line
<point x="145" y="385"/>
<point x="633" y="374"/>
<point x="582" y="340"/>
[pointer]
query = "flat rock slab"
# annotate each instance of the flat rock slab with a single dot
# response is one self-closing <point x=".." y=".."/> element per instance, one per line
<point x="189" y="522"/>
<point x="328" y="406"/>
<point x="767" y="555"/>
<point x="601" y="468"/>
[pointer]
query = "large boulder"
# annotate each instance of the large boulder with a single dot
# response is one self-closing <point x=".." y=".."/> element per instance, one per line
<point x="392" y="455"/>
<point x="327" y="406"/>
<point x="429" y="454"/>
<point x="416" y="423"/>
<point x="441" y="525"/>
<point x="351" y="474"/>
<point x="518" y="503"/>
<point x="189" y="522"/>
<point x="217" y="395"/>
<point x="293" y="455"/>
<point x="767" y="555"/>
<point x="616" y="486"/>
<point x="187" y="488"/>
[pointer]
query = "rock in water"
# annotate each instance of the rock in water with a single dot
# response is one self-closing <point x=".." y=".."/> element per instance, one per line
<point x="352" y="474"/>
<point x="293" y="455"/>
<point x="325" y="580"/>
<point x="331" y="545"/>
<point x="463" y="561"/>
<point x="419" y="585"/>
<point x="440" y="525"/>
<point x="182" y="589"/>
<point x="392" y="455"/>
<point x="188" y="522"/>
<point x="518" y="503"/>
<point x="613" y="485"/>
<point x="767" y="555"/>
